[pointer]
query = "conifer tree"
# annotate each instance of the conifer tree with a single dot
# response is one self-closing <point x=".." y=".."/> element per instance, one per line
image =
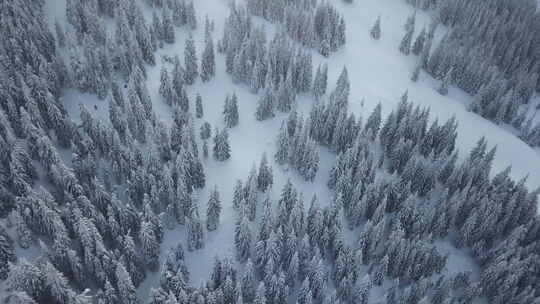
<point x="198" y="106"/>
<point x="150" y="245"/>
<point x="418" y="45"/>
<point x="205" y="131"/>
<point x="376" y="29"/>
<point x="320" y="82"/>
<point x="208" y="61"/>
<point x="242" y="237"/>
<point x="230" y="111"/>
<point x="443" y="89"/>
<point x="191" y="16"/>
<point x="265" y="177"/>
<point x="213" y="210"/>
<point x="405" y="45"/>
<point x="222" y="150"/>
<point x="265" y="106"/>
<point x="238" y="195"/>
<point x="7" y="253"/>
<point x="60" y="34"/>
<point x="167" y="26"/>
<point x="416" y="72"/>
<point x="194" y="230"/>
<point x="190" y="61"/>
<point x="373" y="123"/>
<point x="282" y="153"/>
<point x="205" y="149"/>
<point x="126" y="290"/>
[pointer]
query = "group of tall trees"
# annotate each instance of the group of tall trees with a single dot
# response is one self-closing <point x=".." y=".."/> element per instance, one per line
<point x="478" y="56"/>
<point x="279" y="67"/>
<point x="313" y="24"/>
<point x="297" y="148"/>
<point x="90" y="231"/>
<point x="100" y="214"/>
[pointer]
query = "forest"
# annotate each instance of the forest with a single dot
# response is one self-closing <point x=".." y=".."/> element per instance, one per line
<point x="217" y="152"/>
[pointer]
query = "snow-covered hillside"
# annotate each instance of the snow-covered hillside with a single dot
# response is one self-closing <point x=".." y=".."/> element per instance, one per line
<point x="447" y="249"/>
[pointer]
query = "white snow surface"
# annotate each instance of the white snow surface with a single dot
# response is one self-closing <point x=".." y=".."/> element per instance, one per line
<point x="377" y="72"/>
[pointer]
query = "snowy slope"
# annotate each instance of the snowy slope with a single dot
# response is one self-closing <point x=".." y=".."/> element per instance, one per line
<point x="377" y="72"/>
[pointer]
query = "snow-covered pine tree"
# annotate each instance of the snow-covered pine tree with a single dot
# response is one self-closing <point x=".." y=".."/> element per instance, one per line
<point x="150" y="245"/>
<point x="238" y="195"/>
<point x="282" y="153"/>
<point x="230" y="111"/>
<point x="213" y="210"/>
<point x="418" y="45"/>
<point x="167" y="25"/>
<point x="60" y="34"/>
<point x="375" y="31"/>
<point x="198" y="106"/>
<point x="221" y="150"/>
<point x="205" y="149"/>
<point x="195" y="233"/>
<point x="416" y="71"/>
<point x="405" y="45"/>
<point x="265" y="178"/>
<point x="191" y="16"/>
<point x="443" y="88"/>
<point x="205" y="131"/>
<point x="208" y="61"/>
<point x="265" y="106"/>
<point x="242" y="237"/>
<point x="126" y="290"/>
<point x="190" y="61"/>
<point x="373" y="124"/>
<point x="320" y="82"/>
<point x="7" y="253"/>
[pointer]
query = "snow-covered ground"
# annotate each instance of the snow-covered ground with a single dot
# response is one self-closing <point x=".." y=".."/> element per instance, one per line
<point x="377" y="72"/>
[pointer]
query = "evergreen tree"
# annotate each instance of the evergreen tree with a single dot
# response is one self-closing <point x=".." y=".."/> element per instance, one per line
<point x="265" y="106"/>
<point x="191" y="16"/>
<point x="260" y="295"/>
<point x="213" y="210"/>
<point x="150" y="245"/>
<point x="194" y="230"/>
<point x="238" y="195"/>
<point x="126" y="290"/>
<point x="208" y="61"/>
<point x="60" y="34"/>
<point x="373" y="123"/>
<point x="167" y="25"/>
<point x="376" y="29"/>
<point x="190" y="61"/>
<point x="205" y="131"/>
<point x="198" y="106"/>
<point x="248" y="280"/>
<point x="205" y="149"/>
<point x="443" y="89"/>
<point x="405" y="45"/>
<point x="7" y="253"/>
<point x="230" y="111"/>
<point x="418" y="45"/>
<point x="320" y="82"/>
<point x="242" y="238"/>
<point x="282" y="153"/>
<point x="222" y="150"/>
<point x="265" y="177"/>
<point x="416" y="72"/>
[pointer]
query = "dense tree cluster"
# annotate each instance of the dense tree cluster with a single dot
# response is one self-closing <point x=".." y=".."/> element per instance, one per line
<point x="314" y="25"/>
<point x="279" y="67"/>
<point x="100" y="212"/>
<point x="489" y="52"/>
<point x="297" y="148"/>
<point x="98" y="219"/>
